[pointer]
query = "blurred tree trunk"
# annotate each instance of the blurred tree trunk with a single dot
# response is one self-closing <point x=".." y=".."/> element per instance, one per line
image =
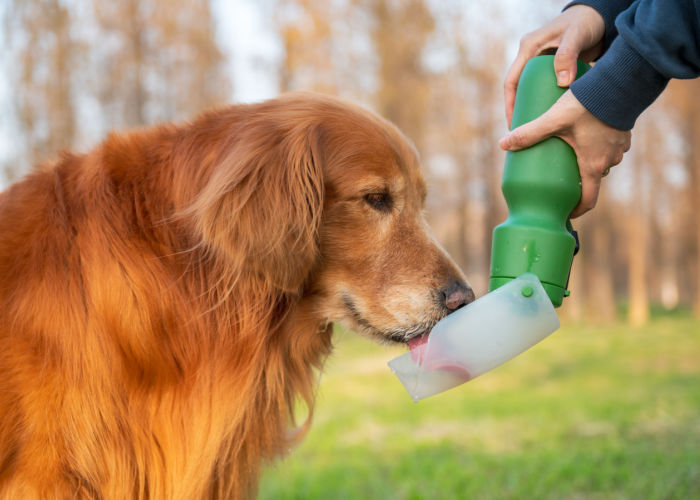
<point x="398" y="33"/>
<point x="491" y="158"/>
<point x="696" y="184"/>
<point x="134" y="33"/>
<point x="692" y="139"/>
<point x="488" y="80"/>
<point x="637" y="224"/>
<point x="464" y="230"/>
<point x="451" y="133"/>
<point x="637" y="241"/>
<point x="574" y="306"/>
<point x="683" y="98"/>
<point x="597" y="254"/>
<point x="307" y="39"/>
<point x="152" y="62"/>
<point x="648" y="202"/>
<point x="162" y="63"/>
<point x="403" y="90"/>
<point x="693" y="168"/>
<point x="191" y="67"/>
<point x="43" y="85"/>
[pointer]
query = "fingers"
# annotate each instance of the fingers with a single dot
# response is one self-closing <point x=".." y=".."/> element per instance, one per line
<point x="509" y="89"/>
<point x="592" y="174"/>
<point x="590" y="187"/>
<point x="530" y="45"/>
<point x="565" y="58"/>
<point x="578" y="31"/>
<point x="512" y="77"/>
<point x="529" y="133"/>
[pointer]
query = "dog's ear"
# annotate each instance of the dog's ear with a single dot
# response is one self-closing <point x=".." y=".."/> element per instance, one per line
<point x="260" y="210"/>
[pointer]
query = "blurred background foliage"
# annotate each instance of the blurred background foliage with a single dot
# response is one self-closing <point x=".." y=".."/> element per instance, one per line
<point x="609" y="409"/>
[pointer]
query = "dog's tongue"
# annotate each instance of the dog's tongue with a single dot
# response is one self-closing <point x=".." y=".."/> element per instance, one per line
<point x="416" y="342"/>
<point x="417" y="346"/>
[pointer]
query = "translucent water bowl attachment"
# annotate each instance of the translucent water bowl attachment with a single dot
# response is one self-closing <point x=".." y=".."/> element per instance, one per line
<point x="477" y="338"/>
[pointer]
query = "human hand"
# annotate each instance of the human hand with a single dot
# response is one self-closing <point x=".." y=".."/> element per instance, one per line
<point x="598" y="146"/>
<point x="577" y="33"/>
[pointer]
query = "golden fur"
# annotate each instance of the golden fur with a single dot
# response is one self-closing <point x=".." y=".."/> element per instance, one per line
<point x="166" y="297"/>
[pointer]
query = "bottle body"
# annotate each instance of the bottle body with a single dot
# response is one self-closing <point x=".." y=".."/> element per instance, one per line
<point x="541" y="185"/>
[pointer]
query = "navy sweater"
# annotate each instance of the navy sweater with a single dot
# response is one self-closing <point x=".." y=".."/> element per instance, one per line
<point x="647" y="42"/>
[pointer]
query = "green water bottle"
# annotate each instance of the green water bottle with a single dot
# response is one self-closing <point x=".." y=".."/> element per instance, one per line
<point x="541" y="185"/>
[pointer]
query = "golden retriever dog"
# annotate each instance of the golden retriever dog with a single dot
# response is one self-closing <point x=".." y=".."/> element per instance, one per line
<point x="167" y="298"/>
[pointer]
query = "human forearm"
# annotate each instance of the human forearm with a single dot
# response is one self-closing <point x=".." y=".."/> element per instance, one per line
<point x="655" y="43"/>
<point x="620" y="86"/>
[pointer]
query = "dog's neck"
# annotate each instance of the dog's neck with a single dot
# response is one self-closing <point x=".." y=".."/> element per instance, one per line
<point x="286" y="363"/>
<point x="242" y="350"/>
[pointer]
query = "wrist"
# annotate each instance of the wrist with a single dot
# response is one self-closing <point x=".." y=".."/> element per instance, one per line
<point x="619" y="87"/>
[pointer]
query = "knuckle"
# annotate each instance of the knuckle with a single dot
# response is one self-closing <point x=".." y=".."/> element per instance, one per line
<point x="597" y="166"/>
<point x="559" y="120"/>
<point x="517" y="138"/>
<point x="526" y="40"/>
<point x="601" y="164"/>
<point x="565" y="52"/>
<point x="530" y="41"/>
<point x="587" y="205"/>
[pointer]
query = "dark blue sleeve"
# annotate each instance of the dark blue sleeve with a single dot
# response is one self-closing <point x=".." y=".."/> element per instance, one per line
<point x="609" y="10"/>
<point x="657" y="40"/>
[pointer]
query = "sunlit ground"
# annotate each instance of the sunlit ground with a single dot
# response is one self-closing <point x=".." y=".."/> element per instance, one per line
<point x="590" y="413"/>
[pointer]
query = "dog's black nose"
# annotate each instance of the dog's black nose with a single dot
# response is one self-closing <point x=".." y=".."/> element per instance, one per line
<point x="457" y="295"/>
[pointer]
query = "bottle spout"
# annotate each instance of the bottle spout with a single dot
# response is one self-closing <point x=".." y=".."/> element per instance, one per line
<point x="478" y="337"/>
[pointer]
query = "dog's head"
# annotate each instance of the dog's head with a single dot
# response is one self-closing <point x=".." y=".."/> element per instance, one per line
<point x="325" y="199"/>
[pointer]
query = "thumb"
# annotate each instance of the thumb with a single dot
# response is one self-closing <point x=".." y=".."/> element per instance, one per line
<point x="528" y="134"/>
<point x="565" y="58"/>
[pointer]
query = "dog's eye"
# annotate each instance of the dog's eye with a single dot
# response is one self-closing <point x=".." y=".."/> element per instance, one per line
<point x="379" y="201"/>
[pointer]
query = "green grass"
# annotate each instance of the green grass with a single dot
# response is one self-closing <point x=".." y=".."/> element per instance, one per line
<point x="590" y="413"/>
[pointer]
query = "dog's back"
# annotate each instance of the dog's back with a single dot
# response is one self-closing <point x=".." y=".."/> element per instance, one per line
<point x="74" y="309"/>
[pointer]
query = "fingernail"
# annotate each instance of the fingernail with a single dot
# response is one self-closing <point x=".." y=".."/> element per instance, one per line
<point x="503" y="142"/>
<point x="563" y="78"/>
